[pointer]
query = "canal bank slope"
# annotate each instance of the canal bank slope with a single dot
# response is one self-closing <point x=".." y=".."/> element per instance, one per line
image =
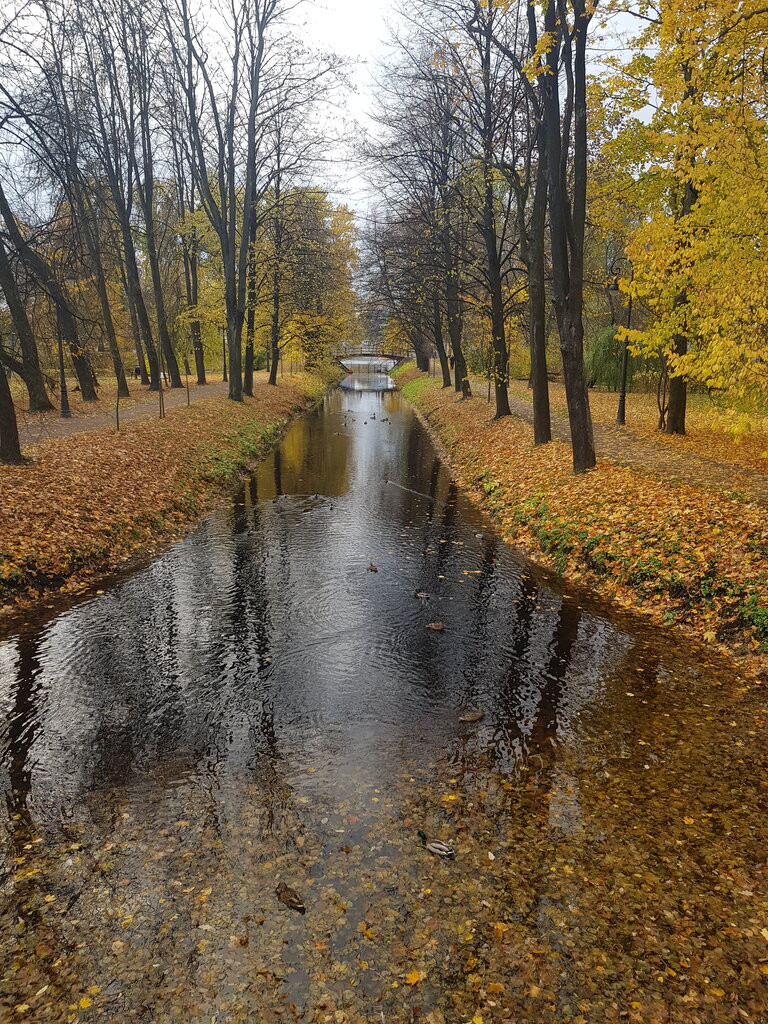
<point x="692" y="557"/>
<point x="86" y="504"/>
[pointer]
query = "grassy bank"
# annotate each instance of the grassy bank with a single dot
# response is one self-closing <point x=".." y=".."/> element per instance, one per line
<point x="687" y="557"/>
<point x="85" y="504"/>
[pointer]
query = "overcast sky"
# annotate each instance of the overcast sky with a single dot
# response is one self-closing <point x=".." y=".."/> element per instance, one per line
<point x="356" y="29"/>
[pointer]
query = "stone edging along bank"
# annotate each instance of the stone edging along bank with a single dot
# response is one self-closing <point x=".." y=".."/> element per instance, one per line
<point x="86" y="504"/>
<point x="691" y="559"/>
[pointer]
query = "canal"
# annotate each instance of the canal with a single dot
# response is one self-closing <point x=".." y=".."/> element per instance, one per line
<point x="278" y="699"/>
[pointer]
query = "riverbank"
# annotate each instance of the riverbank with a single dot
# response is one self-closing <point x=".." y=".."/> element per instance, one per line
<point x="86" y="504"/>
<point x="691" y="557"/>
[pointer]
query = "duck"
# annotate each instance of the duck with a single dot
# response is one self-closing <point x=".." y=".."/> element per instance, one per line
<point x="372" y="568"/>
<point x="290" y="898"/>
<point x="437" y="846"/>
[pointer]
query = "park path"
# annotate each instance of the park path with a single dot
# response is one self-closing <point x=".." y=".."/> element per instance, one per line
<point x="35" y="428"/>
<point x="622" y="446"/>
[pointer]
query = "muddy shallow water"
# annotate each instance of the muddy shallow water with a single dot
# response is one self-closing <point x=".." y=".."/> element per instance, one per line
<point x="264" y="703"/>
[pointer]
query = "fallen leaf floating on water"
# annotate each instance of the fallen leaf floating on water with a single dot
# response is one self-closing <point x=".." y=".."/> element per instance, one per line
<point x="290" y="898"/>
<point x="421" y="594"/>
<point x="438" y="627"/>
<point x="472" y="716"/>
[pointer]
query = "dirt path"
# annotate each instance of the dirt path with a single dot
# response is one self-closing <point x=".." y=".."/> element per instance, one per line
<point x="45" y="426"/>
<point x="626" y="448"/>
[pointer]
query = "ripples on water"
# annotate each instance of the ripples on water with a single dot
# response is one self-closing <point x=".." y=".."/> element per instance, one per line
<point x="258" y="703"/>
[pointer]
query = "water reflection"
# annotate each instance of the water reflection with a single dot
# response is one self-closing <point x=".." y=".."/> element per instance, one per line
<point x="259" y="703"/>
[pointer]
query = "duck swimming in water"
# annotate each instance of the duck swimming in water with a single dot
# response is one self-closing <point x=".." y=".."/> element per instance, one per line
<point x="437" y="846"/>
<point x="290" y="898"/>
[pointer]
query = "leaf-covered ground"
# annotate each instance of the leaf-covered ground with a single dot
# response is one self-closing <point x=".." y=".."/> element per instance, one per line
<point x="85" y="503"/>
<point x="707" y="434"/>
<point x="695" y="557"/>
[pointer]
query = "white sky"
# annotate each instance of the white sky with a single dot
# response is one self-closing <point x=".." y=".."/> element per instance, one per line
<point x="357" y="30"/>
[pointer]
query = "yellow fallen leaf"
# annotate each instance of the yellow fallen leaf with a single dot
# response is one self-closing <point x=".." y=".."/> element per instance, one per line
<point x="689" y="821"/>
<point x="414" y="977"/>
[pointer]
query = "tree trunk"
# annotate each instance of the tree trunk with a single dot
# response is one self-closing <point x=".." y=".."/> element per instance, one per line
<point x="567" y="215"/>
<point x="537" y="304"/>
<point x="498" y="327"/>
<point x="579" y="418"/>
<point x="455" y="326"/>
<point x="106" y="310"/>
<point x="31" y="373"/>
<point x="136" y="300"/>
<point x="169" y="356"/>
<point x="276" y="285"/>
<point x="10" y="449"/>
<point x="421" y="348"/>
<point x="678" y="394"/>
<point x="445" y="368"/>
<point x="490" y="236"/>
<point x="140" y="362"/>
<point x="275" y="330"/>
<point x="192" y="285"/>
<point x="251" y="308"/>
<point x="109" y="328"/>
<point x="678" y="388"/>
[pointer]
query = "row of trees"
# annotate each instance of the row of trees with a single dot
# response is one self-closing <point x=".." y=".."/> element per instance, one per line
<point x="504" y="220"/>
<point x="491" y="136"/>
<point x="156" y="167"/>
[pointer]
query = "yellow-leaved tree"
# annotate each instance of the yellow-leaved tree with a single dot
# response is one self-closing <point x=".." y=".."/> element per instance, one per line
<point x="696" y="150"/>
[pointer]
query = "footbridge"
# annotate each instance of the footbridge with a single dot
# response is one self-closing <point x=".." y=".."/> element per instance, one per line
<point x="370" y="362"/>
